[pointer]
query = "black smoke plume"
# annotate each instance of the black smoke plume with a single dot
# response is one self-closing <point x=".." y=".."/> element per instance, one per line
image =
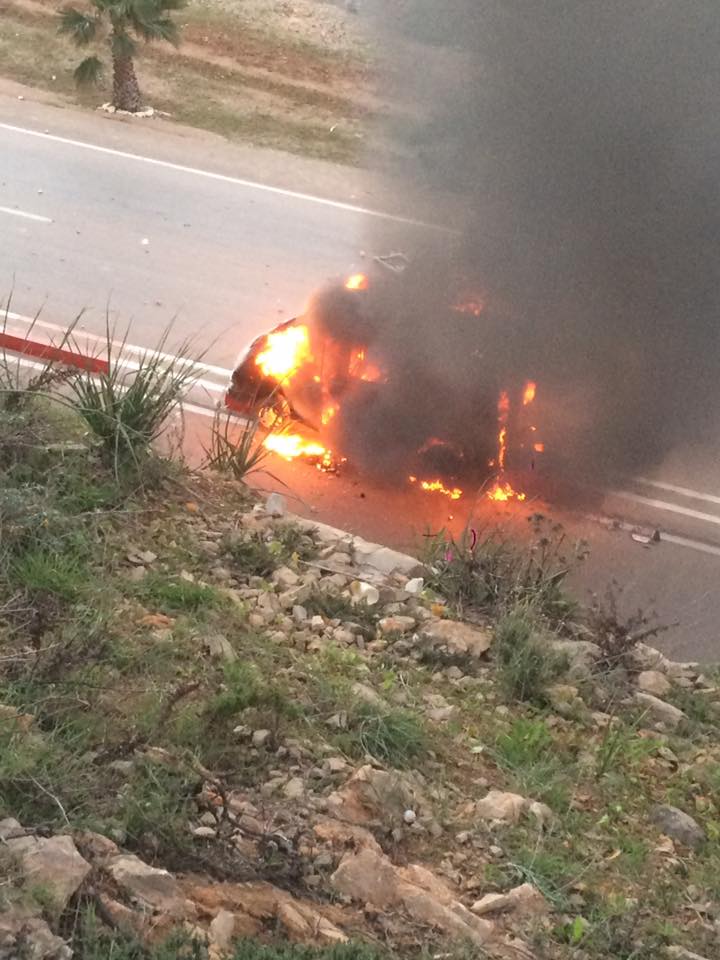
<point x="575" y="148"/>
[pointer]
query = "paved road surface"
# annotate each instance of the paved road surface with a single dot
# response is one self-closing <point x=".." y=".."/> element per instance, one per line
<point x="227" y="257"/>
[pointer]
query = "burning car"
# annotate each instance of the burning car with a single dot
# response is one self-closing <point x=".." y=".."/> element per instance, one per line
<point x="342" y="383"/>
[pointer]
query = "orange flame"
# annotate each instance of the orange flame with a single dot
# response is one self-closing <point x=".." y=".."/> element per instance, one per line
<point x="289" y="446"/>
<point x="503" y="410"/>
<point x="436" y="486"/>
<point x="502" y="492"/>
<point x="358" y="281"/>
<point x="473" y="307"/>
<point x="327" y="414"/>
<point x="285" y="352"/>
<point x="529" y="393"/>
<point x="362" y="369"/>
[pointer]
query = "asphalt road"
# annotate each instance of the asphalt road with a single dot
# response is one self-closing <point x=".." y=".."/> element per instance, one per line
<point x="224" y="241"/>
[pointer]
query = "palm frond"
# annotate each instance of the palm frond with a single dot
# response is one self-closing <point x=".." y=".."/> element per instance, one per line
<point x="89" y="72"/>
<point x="78" y="25"/>
<point x="122" y="46"/>
<point x="161" y="29"/>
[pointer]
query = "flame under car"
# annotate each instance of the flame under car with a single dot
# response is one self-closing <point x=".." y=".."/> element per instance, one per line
<point x="339" y="383"/>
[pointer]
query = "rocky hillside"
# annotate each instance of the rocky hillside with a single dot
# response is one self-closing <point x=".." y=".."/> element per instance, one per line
<point x="228" y="732"/>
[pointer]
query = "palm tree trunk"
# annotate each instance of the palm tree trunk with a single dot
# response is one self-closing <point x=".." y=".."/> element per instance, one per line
<point x="126" y="91"/>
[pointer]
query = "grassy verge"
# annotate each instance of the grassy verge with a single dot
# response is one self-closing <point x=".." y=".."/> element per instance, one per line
<point x="259" y="86"/>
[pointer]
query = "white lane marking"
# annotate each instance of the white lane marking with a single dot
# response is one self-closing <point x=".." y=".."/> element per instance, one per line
<point x="224" y="178"/>
<point x="669" y="507"/>
<point x="118" y="344"/>
<point x="691" y="544"/>
<point x="681" y="491"/>
<point x="23" y="213"/>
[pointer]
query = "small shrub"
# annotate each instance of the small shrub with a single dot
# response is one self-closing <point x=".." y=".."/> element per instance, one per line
<point x="527" y="664"/>
<point x="615" y="634"/>
<point x="252" y="556"/>
<point x="126" y="408"/>
<point x="236" y="449"/>
<point x="484" y="572"/>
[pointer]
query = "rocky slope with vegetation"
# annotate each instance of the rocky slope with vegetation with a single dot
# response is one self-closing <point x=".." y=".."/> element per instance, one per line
<point x="229" y="732"/>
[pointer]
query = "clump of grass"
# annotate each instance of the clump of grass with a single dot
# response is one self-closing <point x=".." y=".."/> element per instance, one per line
<point x="235" y="447"/>
<point x="527" y="664"/>
<point x="484" y="572"/>
<point x="176" y="595"/>
<point x="127" y="407"/>
<point x="41" y="571"/>
<point x="390" y="735"/>
<point x="155" y="807"/>
<point x="530" y="754"/>
<point x="244" y="687"/>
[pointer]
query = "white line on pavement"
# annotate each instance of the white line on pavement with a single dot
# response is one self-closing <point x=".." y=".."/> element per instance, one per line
<point x="23" y="213"/>
<point x="669" y="507"/>
<point x="692" y="544"/>
<point x="681" y="491"/>
<point x="77" y="335"/>
<point x="238" y="181"/>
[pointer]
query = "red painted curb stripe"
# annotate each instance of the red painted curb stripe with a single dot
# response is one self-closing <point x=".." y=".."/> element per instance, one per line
<point x="45" y="351"/>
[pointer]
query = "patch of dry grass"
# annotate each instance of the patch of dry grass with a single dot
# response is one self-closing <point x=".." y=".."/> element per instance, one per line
<point x="246" y="81"/>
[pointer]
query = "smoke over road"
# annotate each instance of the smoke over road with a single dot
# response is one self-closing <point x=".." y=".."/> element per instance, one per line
<point x="583" y="140"/>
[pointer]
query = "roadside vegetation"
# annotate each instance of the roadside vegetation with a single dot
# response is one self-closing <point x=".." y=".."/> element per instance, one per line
<point x="168" y="651"/>
<point x="242" y="70"/>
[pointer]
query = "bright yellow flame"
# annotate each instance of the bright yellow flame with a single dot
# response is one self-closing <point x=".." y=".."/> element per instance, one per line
<point x="358" y="281"/>
<point x="502" y="492"/>
<point x="529" y="393"/>
<point x="285" y="352"/>
<point x="435" y="486"/>
<point x="289" y="446"/>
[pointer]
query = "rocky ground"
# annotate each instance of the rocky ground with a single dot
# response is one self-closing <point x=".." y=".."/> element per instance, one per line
<point x="226" y="732"/>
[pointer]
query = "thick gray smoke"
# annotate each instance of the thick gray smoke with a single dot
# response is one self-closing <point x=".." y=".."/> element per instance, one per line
<point x="581" y="141"/>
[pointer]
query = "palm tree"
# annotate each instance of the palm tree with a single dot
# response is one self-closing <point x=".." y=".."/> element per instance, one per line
<point x="123" y="24"/>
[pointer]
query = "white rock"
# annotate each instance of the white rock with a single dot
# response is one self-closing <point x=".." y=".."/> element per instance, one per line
<point x="204" y="833"/>
<point x="397" y="624"/>
<point x="221" y="932"/>
<point x="276" y="505"/>
<point x="364" y="592"/>
<point x="409" y="816"/>
<point x="260" y="737"/>
<point x="285" y="578"/>
<point x="294" y="789"/>
<point x="299" y="613"/>
<point x="415" y="586"/>
<point x="661" y="711"/>
<point x="53" y="863"/>
<point x="504" y="807"/>
<point x="654" y="682"/>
